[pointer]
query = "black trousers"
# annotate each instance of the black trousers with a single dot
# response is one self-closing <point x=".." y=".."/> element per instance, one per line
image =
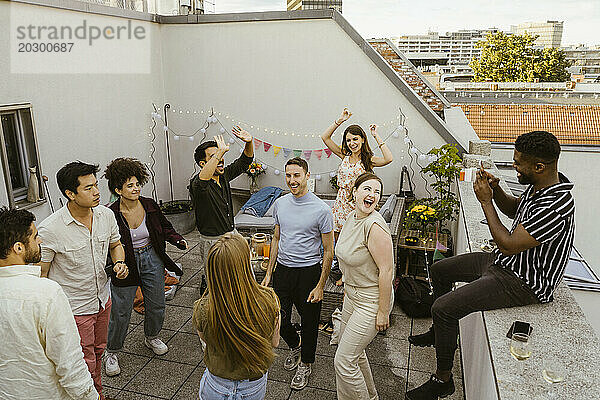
<point x="491" y="287"/>
<point x="292" y="286"/>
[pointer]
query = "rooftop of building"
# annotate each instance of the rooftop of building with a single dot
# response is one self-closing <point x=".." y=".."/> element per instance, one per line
<point x="502" y="123"/>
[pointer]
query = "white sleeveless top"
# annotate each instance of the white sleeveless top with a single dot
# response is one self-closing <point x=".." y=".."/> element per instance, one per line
<point x="140" y="236"/>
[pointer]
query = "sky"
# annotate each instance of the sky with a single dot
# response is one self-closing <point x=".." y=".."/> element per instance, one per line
<point x="386" y="18"/>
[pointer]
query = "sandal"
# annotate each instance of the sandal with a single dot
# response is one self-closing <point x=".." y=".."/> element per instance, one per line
<point x="326" y="328"/>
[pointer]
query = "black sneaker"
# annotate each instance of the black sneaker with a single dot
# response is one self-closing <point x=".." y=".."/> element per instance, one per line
<point x="433" y="389"/>
<point x="423" y="340"/>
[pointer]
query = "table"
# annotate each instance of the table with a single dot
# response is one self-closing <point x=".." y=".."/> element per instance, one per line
<point x="426" y="244"/>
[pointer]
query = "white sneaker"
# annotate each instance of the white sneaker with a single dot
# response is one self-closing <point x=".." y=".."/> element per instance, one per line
<point x="293" y="359"/>
<point x="156" y="345"/>
<point x="111" y="363"/>
<point x="300" y="379"/>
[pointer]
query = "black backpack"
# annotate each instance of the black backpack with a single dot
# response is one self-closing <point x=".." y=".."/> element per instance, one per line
<point x="412" y="295"/>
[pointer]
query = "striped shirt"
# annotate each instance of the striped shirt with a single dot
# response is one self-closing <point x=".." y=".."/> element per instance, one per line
<point x="548" y="215"/>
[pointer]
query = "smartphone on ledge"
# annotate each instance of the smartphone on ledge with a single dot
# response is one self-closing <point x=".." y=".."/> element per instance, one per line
<point x="519" y="327"/>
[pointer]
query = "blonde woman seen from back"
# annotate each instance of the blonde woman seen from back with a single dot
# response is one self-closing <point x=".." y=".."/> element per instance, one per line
<point x="239" y="321"/>
<point x="365" y="254"/>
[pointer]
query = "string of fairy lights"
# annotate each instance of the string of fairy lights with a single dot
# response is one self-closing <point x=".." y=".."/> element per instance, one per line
<point x="264" y="137"/>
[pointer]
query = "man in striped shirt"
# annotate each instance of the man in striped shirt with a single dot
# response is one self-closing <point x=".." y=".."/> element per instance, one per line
<point x="528" y="265"/>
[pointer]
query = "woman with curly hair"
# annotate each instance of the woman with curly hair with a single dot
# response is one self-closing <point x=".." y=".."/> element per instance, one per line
<point x="239" y="321"/>
<point x="144" y="230"/>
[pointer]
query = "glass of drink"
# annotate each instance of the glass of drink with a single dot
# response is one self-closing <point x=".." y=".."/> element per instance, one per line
<point x="553" y="372"/>
<point x="520" y="348"/>
<point x="258" y="240"/>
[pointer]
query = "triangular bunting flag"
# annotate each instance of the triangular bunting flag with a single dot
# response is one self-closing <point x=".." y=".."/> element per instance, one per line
<point x="276" y="150"/>
<point x="257" y="143"/>
<point x="286" y="152"/>
<point x="297" y="153"/>
<point x="437" y="255"/>
<point x="328" y="152"/>
<point x="307" y="154"/>
<point x="318" y="153"/>
<point x="267" y="146"/>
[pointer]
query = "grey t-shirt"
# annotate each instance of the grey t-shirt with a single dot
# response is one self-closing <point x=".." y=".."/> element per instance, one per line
<point x="301" y="222"/>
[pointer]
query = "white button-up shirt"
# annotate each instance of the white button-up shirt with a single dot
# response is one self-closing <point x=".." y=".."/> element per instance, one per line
<point x="40" y="354"/>
<point x="78" y="256"/>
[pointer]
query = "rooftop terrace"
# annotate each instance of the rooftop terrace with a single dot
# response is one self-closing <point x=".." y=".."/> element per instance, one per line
<point x="278" y="82"/>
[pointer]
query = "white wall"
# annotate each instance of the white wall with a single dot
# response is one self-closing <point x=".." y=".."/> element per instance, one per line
<point x="293" y="76"/>
<point x="91" y="117"/>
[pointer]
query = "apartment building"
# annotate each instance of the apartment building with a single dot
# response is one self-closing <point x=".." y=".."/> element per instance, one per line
<point x="549" y="32"/>
<point x="453" y="48"/>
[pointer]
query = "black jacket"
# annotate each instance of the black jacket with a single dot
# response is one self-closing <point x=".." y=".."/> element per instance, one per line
<point x="160" y="230"/>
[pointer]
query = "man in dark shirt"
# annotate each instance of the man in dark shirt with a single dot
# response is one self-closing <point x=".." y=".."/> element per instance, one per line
<point x="210" y="190"/>
<point x="525" y="269"/>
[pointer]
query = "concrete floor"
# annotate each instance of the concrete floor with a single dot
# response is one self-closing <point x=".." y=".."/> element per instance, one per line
<point x="176" y="375"/>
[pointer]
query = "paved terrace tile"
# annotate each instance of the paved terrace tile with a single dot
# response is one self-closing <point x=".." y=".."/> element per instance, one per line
<point x="176" y="375"/>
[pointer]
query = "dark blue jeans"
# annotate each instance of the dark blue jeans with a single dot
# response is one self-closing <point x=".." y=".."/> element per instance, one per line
<point x="152" y="274"/>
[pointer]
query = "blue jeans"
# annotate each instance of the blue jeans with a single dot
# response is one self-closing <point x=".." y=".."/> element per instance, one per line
<point x="216" y="388"/>
<point x="152" y="274"/>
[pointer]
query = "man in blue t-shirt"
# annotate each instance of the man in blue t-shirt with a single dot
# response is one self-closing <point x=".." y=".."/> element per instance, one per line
<point x="303" y="223"/>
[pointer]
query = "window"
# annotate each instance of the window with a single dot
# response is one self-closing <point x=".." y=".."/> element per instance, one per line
<point x="19" y="152"/>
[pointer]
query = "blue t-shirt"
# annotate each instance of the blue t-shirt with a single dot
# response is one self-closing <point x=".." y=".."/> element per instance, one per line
<point x="301" y="222"/>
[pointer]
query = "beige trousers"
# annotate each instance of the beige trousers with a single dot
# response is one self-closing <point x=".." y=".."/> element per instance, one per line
<point x="353" y="376"/>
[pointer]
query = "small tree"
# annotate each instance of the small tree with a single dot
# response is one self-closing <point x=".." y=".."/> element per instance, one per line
<point x="512" y="58"/>
<point x="445" y="170"/>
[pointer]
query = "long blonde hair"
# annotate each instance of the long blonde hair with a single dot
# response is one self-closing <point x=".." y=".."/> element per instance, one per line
<point x="240" y="312"/>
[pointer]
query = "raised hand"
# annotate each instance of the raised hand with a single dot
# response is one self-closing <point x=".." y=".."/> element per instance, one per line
<point x="242" y="134"/>
<point x="482" y="189"/>
<point x="346" y="114"/>
<point x="492" y="180"/>
<point x="373" y="129"/>
<point x="222" y="147"/>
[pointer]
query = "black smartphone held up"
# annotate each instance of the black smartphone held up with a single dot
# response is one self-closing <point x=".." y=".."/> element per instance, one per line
<point x="519" y="327"/>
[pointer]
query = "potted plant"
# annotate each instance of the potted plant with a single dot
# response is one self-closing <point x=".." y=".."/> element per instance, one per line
<point x="180" y="214"/>
<point x="442" y="207"/>
<point x="255" y="169"/>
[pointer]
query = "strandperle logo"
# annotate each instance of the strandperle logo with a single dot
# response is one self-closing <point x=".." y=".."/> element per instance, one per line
<point x="91" y="33"/>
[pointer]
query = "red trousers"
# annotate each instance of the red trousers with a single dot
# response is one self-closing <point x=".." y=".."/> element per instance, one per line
<point x="93" y="330"/>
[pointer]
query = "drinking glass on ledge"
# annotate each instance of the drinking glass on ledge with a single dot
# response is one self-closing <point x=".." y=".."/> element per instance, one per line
<point x="520" y="348"/>
<point x="554" y="372"/>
